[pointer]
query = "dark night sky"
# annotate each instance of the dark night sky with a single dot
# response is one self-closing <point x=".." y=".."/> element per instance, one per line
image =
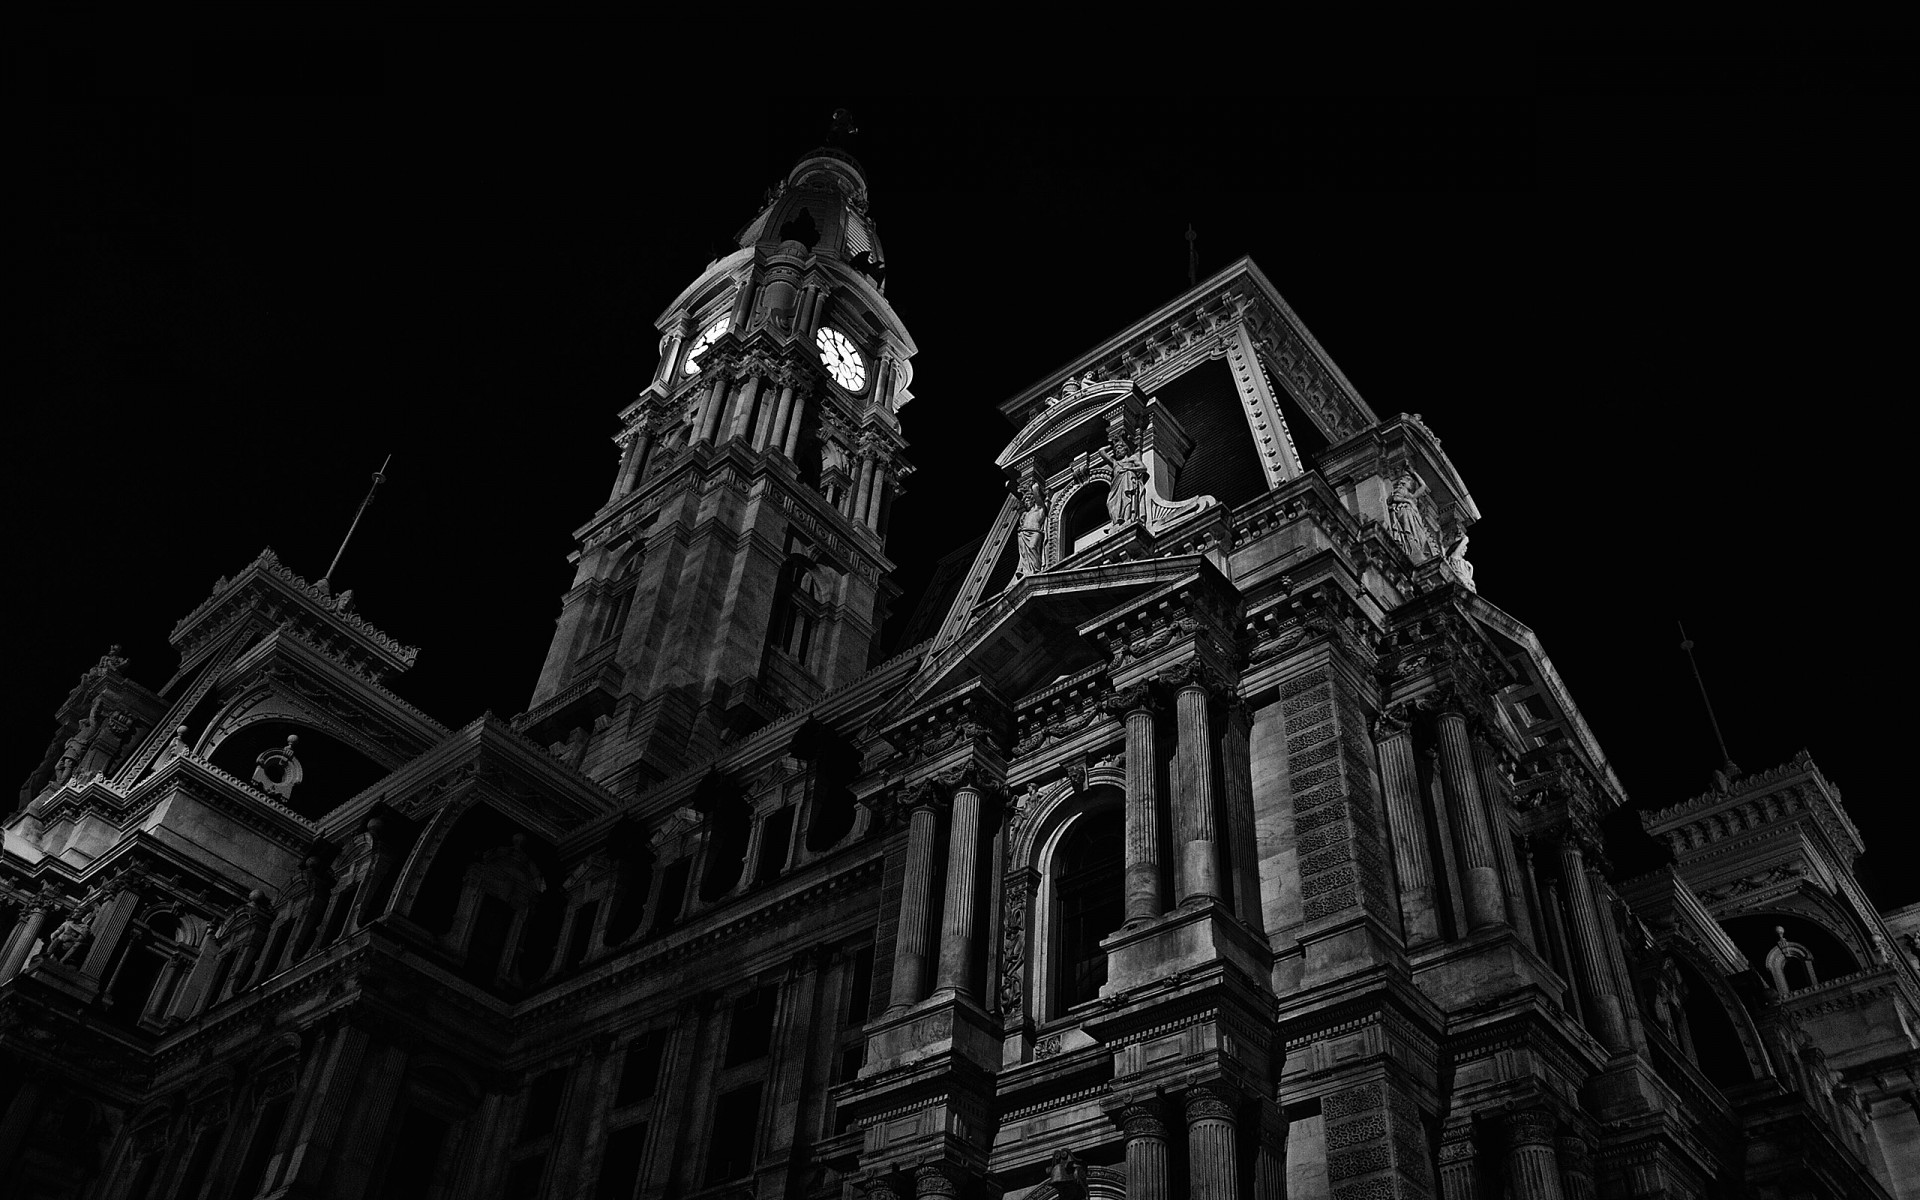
<point x="1654" y="302"/>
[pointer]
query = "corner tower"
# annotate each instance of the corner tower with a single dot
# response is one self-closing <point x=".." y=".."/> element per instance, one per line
<point x="738" y="569"/>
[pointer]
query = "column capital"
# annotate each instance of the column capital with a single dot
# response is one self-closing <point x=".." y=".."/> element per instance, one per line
<point x="936" y="1179"/>
<point x="1460" y="1149"/>
<point x="1196" y="673"/>
<point x="1140" y="697"/>
<point x="1529" y="1127"/>
<point x="1208" y="1102"/>
<point x="1141" y="1116"/>
<point x="1392" y="721"/>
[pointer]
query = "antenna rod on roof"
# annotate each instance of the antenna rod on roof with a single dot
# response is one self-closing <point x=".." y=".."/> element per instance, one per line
<point x="1728" y="770"/>
<point x="1193" y="256"/>
<point x="379" y="477"/>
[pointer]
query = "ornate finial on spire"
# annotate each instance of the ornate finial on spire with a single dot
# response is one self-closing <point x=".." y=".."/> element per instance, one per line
<point x="379" y="477"/>
<point x="1727" y="773"/>
<point x="1193" y="256"/>
<point x="841" y="128"/>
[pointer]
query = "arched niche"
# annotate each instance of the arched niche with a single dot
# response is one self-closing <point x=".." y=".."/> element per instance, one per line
<point x="1722" y="1037"/>
<point x="331" y="771"/>
<point x="1083" y="518"/>
<point x="1790" y="947"/>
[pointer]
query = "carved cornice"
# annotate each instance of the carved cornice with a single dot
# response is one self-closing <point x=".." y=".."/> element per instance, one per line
<point x="1064" y="712"/>
<point x="269" y="588"/>
<point x="970" y="714"/>
<point x="1792" y="791"/>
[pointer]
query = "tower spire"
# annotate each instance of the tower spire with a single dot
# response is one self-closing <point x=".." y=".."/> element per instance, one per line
<point x="1727" y="770"/>
<point x="379" y="477"/>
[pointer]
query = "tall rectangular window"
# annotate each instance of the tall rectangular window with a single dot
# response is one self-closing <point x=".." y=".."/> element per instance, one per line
<point x="736" y="1123"/>
<point x="640" y="1073"/>
<point x="620" y="1165"/>
<point x="543" y="1105"/>
<point x="750" y="1035"/>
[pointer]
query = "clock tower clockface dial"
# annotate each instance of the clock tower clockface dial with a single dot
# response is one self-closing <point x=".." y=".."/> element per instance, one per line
<point x="843" y="360"/>
<point x="707" y="337"/>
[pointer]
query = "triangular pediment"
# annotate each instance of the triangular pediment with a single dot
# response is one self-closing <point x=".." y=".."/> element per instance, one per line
<point x="1032" y="633"/>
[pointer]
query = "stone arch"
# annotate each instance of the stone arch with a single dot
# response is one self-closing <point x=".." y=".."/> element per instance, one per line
<point x="426" y="849"/>
<point x="1074" y="508"/>
<point x="1721" y="995"/>
<point x="1035" y="872"/>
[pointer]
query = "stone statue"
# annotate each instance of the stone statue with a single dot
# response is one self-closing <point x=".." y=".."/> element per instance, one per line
<point x="1129" y="489"/>
<point x="104" y="750"/>
<point x="1458" y="564"/>
<point x="72" y="936"/>
<point x="1405" y="522"/>
<point x="77" y="745"/>
<point x="1032" y="529"/>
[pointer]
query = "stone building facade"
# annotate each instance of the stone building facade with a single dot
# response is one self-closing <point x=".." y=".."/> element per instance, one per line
<point x="1222" y="841"/>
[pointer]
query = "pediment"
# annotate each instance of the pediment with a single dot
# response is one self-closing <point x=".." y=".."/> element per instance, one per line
<point x="1032" y="633"/>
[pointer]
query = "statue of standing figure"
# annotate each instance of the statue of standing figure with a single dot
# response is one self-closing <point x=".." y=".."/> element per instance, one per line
<point x="1032" y="529"/>
<point x="1125" y="498"/>
<point x="1406" y="524"/>
<point x="66" y="942"/>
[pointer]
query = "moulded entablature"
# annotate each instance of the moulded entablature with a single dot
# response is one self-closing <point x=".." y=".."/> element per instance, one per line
<point x="1084" y="414"/>
<point x="1793" y="791"/>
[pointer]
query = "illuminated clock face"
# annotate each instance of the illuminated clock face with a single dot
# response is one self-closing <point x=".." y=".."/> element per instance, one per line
<point x="844" y="363"/>
<point x="708" y="337"/>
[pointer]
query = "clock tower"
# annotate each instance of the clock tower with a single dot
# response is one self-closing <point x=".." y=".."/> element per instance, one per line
<point x="738" y="569"/>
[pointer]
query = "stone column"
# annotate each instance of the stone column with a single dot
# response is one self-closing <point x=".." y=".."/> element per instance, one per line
<point x="24" y="936"/>
<point x="1590" y="950"/>
<point x="1270" y="1157"/>
<point x="956" y="916"/>
<point x="1197" y="865"/>
<point x="1494" y="792"/>
<point x="710" y="411"/>
<point x="876" y="495"/>
<point x="792" y="446"/>
<point x="1145" y="1127"/>
<point x="1576" y="1168"/>
<point x="1616" y="958"/>
<point x="742" y="305"/>
<point x="1532" y="1171"/>
<point x="1212" y="1156"/>
<point x="863" y="481"/>
<point x="1563" y="950"/>
<point x="742" y="421"/>
<point x="109" y="924"/>
<point x="1485" y="905"/>
<point x="910" y="940"/>
<point x="1400" y="778"/>
<point x="776" y="434"/>
<point x="1459" y="1172"/>
<point x="1143" y="804"/>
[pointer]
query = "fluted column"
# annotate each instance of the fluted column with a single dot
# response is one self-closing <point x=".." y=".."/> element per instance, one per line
<point x="882" y="1187"/>
<point x="1212" y="1155"/>
<point x="956" y="917"/>
<point x="775" y="433"/>
<point x="1143" y="805"/>
<point x="876" y="496"/>
<point x="910" y="940"/>
<point x="1145" y="1127"/>
<point x="1459" y="1170"/>
<point x="1270" y="1156"/>
<point x="630" y="456"/>
<point x="792" y="446"/>
<point x="1485" y="904"/>
<point x="743" y="408"/>
<point x="1400" y="779"/>
<point x="1589" y="951"/>
<point x="1197" y="866"/>
<point x="863" y="484"/>
<point x="1576" y="1168"/>
<point x="24" y="936"/>
<point x="711" y="409"/>
<point x="1532" y="1171"/>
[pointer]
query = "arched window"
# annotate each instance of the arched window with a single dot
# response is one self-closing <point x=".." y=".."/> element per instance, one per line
<point x="1084" y="518"/>
<point x="1089" y="902"/>
<point x="798" y="611"/>
<point x="619" y="598"/>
